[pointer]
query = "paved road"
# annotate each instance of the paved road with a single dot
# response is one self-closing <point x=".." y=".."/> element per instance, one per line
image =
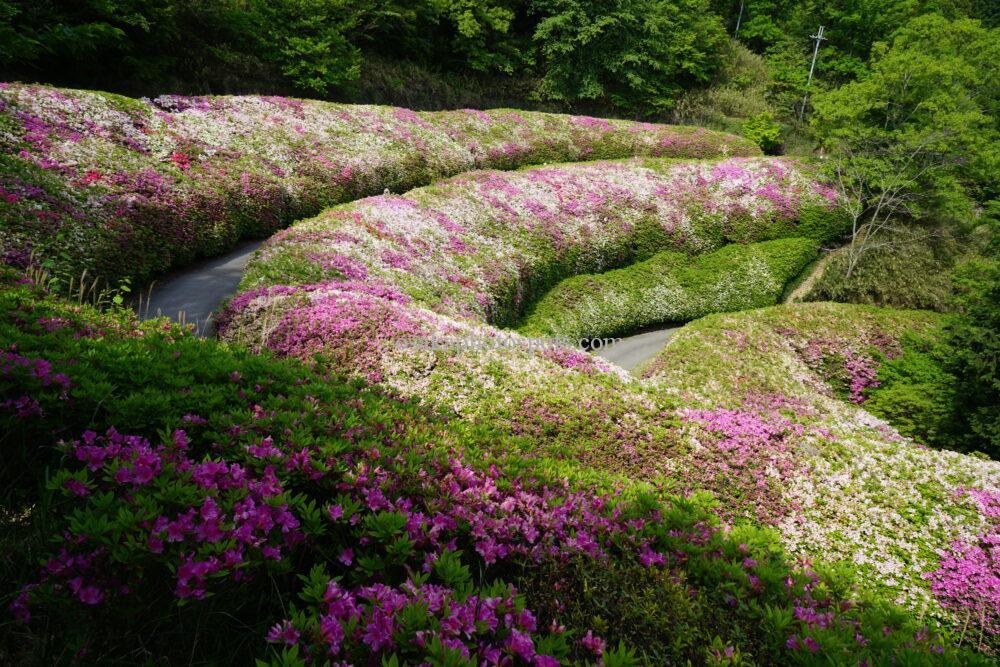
<point x="195" y="294"/>
<point x="632" y="351"/>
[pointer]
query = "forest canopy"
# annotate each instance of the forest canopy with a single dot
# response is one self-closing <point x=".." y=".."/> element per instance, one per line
<point x="624" y="57"/>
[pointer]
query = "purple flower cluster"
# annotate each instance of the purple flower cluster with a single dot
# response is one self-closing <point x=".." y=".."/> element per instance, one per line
<point x="987" y="501"/>
<point x="967" y="580"/>
<point x="750" y="457"/>
<point x="236" y="506"/>
<point x="491" y="629"/>
<point x="353" y="327"/>
<point x="236" y="516"/>
<point x="851" y="364"/>
<point x="19" y="371"/>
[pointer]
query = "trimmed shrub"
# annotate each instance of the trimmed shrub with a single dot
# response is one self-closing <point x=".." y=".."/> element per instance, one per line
<point x="131" y="188"/>
<point x="669" y="287"/>
<point x="487" y="245"/>
<point x="823" y="223"/>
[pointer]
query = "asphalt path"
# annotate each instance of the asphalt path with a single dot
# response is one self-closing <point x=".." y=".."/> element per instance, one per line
<point x="194" y="295"/>
<point x="632" y="351"/>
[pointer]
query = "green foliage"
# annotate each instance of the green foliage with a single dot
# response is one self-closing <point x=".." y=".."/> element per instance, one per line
<point x="976" y="353"/>
<point x="765" y="132"/>
<point x="914" y="273"/>
<point x="624" y="603"/>
<point x="307" y="40"/>
<point x="134" y="43"/>
<point x="924" y="113"/>
<point x="631" y="57"/>
<point x="824" y="224"/>
<point x="414" y="86"/>
<point x="916" y="392"/>
<point x="483" y="35"/>
<point x="632" y="54"/>
<point x="670" y="287"/>
<point x="738" y="91"/>
<point x="783" y="28"/>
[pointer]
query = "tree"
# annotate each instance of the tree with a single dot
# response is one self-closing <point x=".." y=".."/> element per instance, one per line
<point x="308" y="41"/>
<point x="481" y="33"/>
<point x="975" y="344"/>
<point x="913" y="138"/>
<point x="632" y="54"/>
<point x="881" y="184"/>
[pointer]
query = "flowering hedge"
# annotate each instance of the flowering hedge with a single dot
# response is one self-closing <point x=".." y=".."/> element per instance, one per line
<point x="670" y="287"/>
<point x="246" y="483"/>
<point x="917" y="524"/>
<point x="760" y="412"/>
<point x="364" y="280"/>
<point x="486" y="245"/>
<point x="126" y="187"/>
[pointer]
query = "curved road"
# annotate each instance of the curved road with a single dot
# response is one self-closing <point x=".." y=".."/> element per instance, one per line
<point x="632" y="351"/>
<point x="195" y="294"/>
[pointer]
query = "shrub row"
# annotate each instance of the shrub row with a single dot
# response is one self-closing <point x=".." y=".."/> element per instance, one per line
<point x="129" y="188"/>
<point x="669" y="287"/>
<point x="487" y="245"/>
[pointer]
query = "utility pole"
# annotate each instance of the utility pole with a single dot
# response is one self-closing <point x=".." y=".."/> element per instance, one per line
<point x="739" y="19"/>
<point x="819" y="38"/>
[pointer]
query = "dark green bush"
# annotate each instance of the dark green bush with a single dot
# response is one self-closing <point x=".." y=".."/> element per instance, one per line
<point x="975" y="342"/>
<point x="764" y="131"/>
<point x="916" y="393"/>
<point x="914" y="274"/>
<point x="635" y="55"/>
<point x="823" y="224"/>
<point x="670" y="287"/>
<point x="623" y="603"/>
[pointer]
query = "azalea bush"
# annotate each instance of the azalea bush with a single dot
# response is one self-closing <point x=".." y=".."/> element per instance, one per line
<point x="130" y="188"/>
<point x="819" y="364"/>
<point x="670" y="287"/>
<point x="289" y="516"/>
<point x="764" y="410"/>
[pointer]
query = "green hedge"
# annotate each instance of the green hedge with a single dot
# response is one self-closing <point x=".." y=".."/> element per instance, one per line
<point x="916" y="273"/>
<point x="670" y="287"/>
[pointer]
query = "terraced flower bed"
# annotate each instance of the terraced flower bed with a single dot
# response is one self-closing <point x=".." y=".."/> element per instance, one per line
<point x="262" y="503"/>
<point x="484" y="246"/>
<point x="778" y="439"/>
<point x="129" y="188"/>
<point x="375" y="467"/>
